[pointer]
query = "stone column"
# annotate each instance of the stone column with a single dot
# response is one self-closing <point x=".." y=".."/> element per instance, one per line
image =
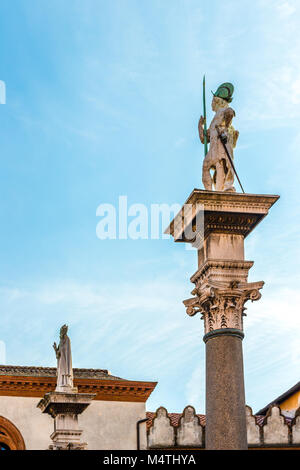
<point x="225" y="396"/>
<point x="216" y="223"/>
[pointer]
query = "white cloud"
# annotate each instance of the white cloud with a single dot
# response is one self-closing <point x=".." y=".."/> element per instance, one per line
<point x="286" y="8"/>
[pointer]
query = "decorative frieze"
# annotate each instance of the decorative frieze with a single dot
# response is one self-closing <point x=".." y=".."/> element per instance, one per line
<point x="223" y="211"/>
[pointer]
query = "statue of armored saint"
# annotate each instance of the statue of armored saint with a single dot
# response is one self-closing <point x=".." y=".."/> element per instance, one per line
<point x="217" y="172"/>
<point x="64" y="362"/>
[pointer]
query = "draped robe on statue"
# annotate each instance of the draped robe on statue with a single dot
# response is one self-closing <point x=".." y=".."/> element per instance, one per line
<point x="64" y="365"/>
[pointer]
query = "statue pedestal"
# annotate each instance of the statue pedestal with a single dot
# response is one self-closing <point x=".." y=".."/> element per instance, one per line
<point x="216" y="223"/>
<point x="64" y="408"/>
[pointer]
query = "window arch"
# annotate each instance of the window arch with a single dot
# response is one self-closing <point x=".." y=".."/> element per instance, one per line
<point x="10" y="436"/>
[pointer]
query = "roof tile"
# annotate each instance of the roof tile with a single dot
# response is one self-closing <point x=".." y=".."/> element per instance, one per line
<point x="51" y="372"/>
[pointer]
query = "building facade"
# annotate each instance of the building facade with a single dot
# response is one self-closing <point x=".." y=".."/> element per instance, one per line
<point x="110" y="422"/>
<point x="115" y="419"/>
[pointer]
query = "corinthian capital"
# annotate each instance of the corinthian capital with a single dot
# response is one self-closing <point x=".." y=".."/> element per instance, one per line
<point x="222" y="304"/>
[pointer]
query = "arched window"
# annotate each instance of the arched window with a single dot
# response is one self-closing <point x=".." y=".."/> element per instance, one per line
<point x="10" y="436"/>
<point x="4" y="446"/>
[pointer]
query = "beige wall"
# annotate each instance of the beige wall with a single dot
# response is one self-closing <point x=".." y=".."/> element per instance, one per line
<point x="32" y="424"/>
<point x="112" y="425"/>
<point x="106" y="424"/>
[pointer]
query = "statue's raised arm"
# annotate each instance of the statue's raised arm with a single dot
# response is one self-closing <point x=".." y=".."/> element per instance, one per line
<point x="56" y="349"/>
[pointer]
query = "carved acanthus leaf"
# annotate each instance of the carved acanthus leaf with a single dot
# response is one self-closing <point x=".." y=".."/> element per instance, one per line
<point x="221" y="304"/>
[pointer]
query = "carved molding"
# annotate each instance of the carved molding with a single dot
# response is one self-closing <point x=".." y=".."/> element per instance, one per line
<point x="222" y="270"/>
<point x="225" y="201"/>
<point x="230" y="222"/>
<point x="10" y="435"/>
<point x="111" y="390"/>
<point x="232" y="212"/>
<point x="222" y="304"/>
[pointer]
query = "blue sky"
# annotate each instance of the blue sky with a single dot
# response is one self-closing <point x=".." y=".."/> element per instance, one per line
<point x="103" y="99"/>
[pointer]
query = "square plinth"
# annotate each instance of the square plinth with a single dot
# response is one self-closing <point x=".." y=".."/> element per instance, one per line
<point x="55" y="403"/>
<point x="207" y="212"/>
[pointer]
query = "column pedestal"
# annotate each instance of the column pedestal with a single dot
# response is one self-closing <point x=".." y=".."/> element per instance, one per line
<point x="216" y="224"/>
<point x="64" y="408"/>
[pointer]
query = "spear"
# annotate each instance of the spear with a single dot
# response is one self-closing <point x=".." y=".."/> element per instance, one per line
<point x="223" y="139"/>
<point x="204" y="115"/>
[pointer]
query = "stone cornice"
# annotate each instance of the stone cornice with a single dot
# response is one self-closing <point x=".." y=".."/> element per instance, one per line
<point x="232" y="202"/>
<point x="222" y="268"/>
<point x="55" y="403"/>
<point x="108" y="390"/>
<point x="233" y="213"/>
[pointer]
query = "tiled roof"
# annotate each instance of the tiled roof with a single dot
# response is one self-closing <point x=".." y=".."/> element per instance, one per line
<point x="36" y="381"/>
<point x="27" y="371"/>
<point x="174" y="417"/>
<point x="281" y="398"/>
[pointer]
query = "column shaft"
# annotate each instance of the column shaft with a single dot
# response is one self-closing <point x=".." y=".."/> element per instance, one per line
<point x="225" y="394"/>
